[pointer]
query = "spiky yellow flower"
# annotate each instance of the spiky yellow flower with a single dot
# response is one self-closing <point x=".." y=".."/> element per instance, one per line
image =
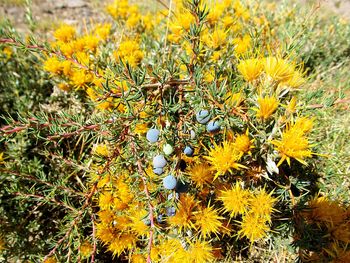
<point x="243" y="143"/>
<point x="224" y="158"/>
<point x="105" y="200"/>
<point x="242" y="45"/>
<point x="323" y="210"/>
<point x="122" y="242"/>
<point x="141" y="128"/>
<point x="296" y="80"/>
<point x="200" y="252"/>
<point x="129" y="51"/>
<point x="294" y="143"/>
<point x="170" y="250"/>
<point x="303" y="125"/>
<point x="341" y="232"/>
<point x="262" y="204"/>
<point x="267" y="106"/>
<point x="235" y="200"/>
<point x="208" y="221"/>
<point x="234" y="100"/>
<point x="250" y="68"/>
<point x="278" y="69"/>
<point x="184" y="216"/>
<point x="86" y="249"/>
<point x="201" y="174"/>
<point x="53" y="65"/>
<point x="65" y="33"/>
<point x="1" y="158"/>
<point x="253" y="227"/>
<point x="50" y="260"/>
<point x="102" y="149"/>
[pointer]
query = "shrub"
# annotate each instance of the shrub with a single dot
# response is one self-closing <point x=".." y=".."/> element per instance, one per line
<point x="192" y="145"/>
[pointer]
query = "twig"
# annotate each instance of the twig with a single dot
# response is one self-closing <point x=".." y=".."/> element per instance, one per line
<point x="57" y="53"/>
<point x="52" y="200"/>
<point x="93" y="238"/>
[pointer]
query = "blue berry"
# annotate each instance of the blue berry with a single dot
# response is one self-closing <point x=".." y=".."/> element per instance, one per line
<point x="169" y="182"/>
<point x="160" y="219"/>
<point x="170" y="196"/>
<point x="182" y="187"/>
<point x="189" y="151"/>
<point x="147" y="221"/>
<point x="159" y="161"/>
<point x="158" y="170"/>
<point x="213" y="126"/>
<point x="152" y="135"/>
<point x="170" y="211"/>
<point x="168" y="149"/>
<point x="203" y="116"/>
<point x="193" y="134"/>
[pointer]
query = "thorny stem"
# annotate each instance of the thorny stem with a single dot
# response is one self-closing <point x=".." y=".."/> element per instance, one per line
<point x="93" y="238"/>
<point x="16" y="43"/>
<point x="51" y="200"/>
<point x="145" y="189"/>
<point x="32" y="178"/>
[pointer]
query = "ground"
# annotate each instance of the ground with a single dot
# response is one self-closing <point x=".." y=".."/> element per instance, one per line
<point x="50" y="12"/>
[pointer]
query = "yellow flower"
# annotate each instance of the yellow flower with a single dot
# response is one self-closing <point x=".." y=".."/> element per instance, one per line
<point x="102" y="149"/>
<point x="122" y="242"/>
<point x="303" y="125"/>
<point x="103" y="31"/>
<point x="224" y="158"/>
<point x="217" y="38"/>
<point x="105" y="232"/>
<point x="184" y="216"/>
<point x="50" y="260"/>
<point x="8" y="52"/>
<point x="291" y="107"/>
<point x="1" y="158"/>
<point x="105" y="200"/>
<point x="278" y="69"/>
<point x="141" y="128"/>
<point x="65" y="33"/>
<point x="323" y="210"/>
<point x="200" y="252"/>
<point x="243" y="144"/>
<point x="201" y="174"/>
<point x="129" y="51"/>
<point x="242" y="45"/>
<point x="80" y="78"/>
<point x="267" y="106"/>
<point x="207" y="221"/>
<point x="137" y="258"/>
<point x="253" y="227"/>
<point x="53" y="65"/>
<point x="233" y="100"/>
<point x="90" y="42"/>
<point x="261" y="204"/>
<point x="67" y="49"/>
<point x="342" y="232"/>
<point x="235" y="200"/>
<point x="296" y="80"/>
<point x="86" y="249"/>
<point x="294" y="143"/>
<point x="250" y="68"/>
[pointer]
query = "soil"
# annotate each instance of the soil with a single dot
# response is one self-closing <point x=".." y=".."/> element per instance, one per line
<point x="48" y="13"/>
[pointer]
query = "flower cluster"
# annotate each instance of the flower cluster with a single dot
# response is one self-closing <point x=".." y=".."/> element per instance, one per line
<point x="202" y="109"/>
<point x="330" y="219"/>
